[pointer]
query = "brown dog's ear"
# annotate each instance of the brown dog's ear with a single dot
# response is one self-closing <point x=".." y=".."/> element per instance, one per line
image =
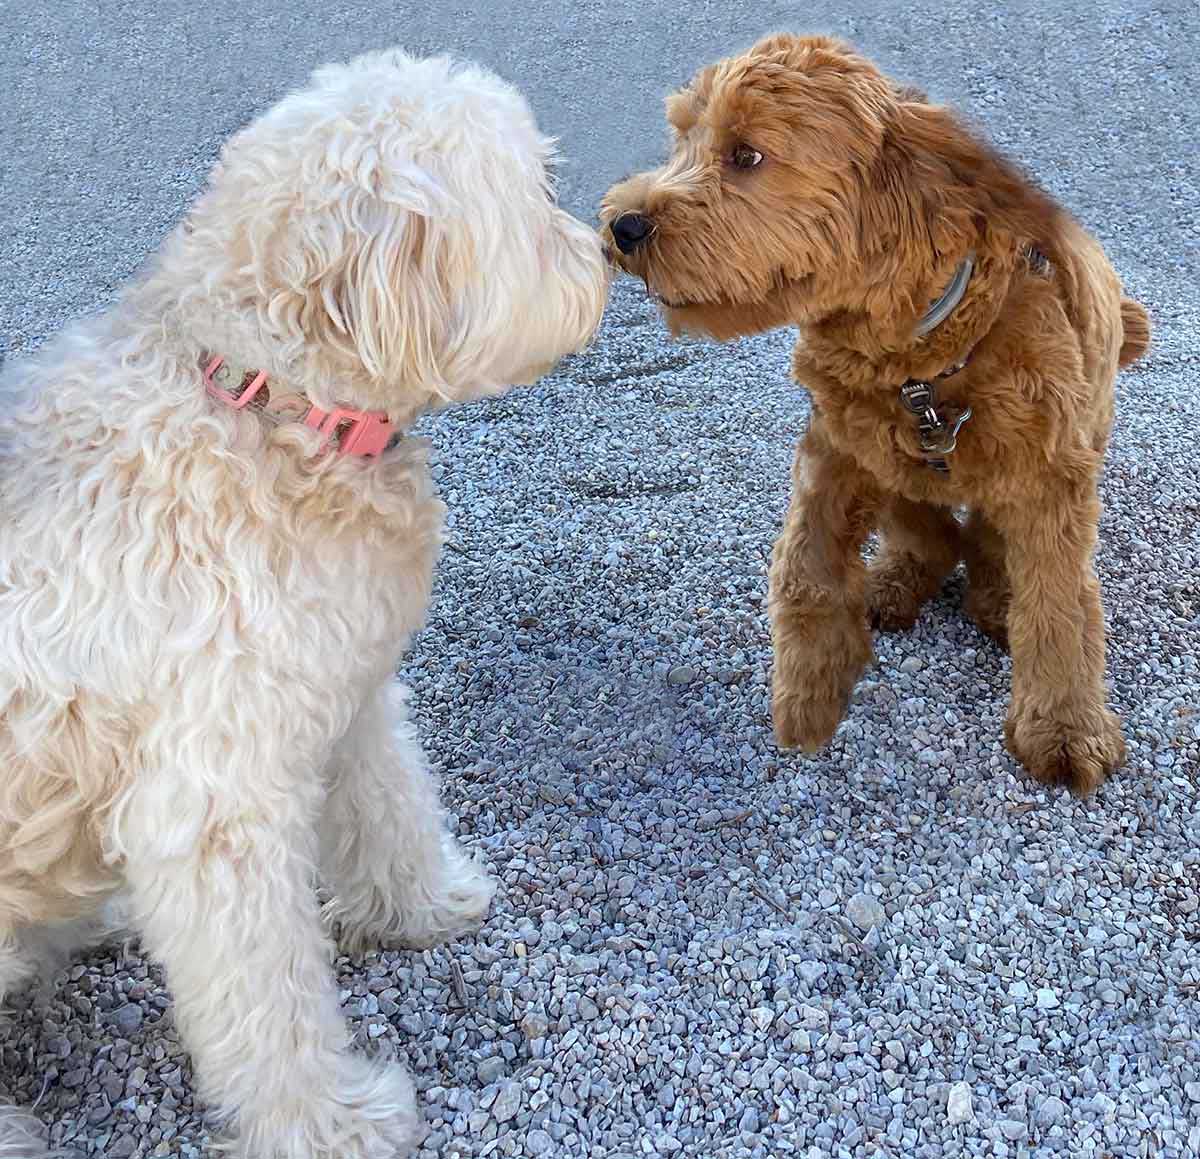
<point x="992" y="184"/>
<point x="937" y="189"/>
<point x="685" y="105"/>
<point x="791" y="44"/>
<point x="953" y="182"/>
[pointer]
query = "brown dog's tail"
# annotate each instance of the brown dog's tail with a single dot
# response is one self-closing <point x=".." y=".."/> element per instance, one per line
<point x="1136" y="324"/>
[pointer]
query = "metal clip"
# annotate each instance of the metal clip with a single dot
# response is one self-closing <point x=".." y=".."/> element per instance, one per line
<point x="942" y="439"/>
<point x="938" y="434"/>
<point x="917" y="396"/>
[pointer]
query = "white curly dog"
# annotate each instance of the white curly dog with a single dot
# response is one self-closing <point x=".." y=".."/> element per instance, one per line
<point x="216" y="538"/>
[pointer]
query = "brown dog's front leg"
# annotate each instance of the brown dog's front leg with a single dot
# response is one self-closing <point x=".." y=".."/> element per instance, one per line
<point x="1058" y="726"/>
<point x="817" y="594"/>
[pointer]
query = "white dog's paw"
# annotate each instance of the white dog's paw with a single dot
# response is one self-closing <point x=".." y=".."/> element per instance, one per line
<point x="440" y="903"/>
<point x="455" y="902"/>
<point x="370" y="1113"/>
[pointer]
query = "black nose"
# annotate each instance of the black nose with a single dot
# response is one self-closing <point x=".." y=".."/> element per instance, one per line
<point x="630" y="231"/>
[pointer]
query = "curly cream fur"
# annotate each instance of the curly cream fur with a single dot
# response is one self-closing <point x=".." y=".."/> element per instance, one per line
<point x="201" y="613"/>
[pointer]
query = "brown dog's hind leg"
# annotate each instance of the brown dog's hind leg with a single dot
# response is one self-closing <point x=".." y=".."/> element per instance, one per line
<point x="988" y="590"/>
<point x="920" y="547"/>
<point x="817" y="594"/>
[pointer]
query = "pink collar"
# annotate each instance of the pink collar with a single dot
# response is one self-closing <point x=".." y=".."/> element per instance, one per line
<point x="354" y="432"/>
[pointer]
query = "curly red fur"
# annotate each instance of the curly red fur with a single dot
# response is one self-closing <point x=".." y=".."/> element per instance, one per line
<point x="865" y="201"/>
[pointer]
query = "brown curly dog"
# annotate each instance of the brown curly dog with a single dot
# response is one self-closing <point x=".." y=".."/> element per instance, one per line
<point x="959" y="335"/>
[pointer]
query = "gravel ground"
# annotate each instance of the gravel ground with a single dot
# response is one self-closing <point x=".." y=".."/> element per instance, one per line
<point x="703" y="947"/>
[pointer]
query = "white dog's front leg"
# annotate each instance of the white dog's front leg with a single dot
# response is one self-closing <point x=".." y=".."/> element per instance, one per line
<point x="398" y="877"/>
<point x="235" y="919"/>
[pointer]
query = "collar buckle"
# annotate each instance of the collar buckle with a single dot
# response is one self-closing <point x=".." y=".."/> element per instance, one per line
<point x="353" y="432"/>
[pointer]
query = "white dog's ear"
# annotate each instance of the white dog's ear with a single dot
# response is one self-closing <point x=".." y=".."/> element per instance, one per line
<point x="369" y="278"/>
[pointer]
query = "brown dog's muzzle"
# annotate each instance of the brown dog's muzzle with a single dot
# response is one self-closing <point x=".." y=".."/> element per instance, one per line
<point x="631" y="231"/>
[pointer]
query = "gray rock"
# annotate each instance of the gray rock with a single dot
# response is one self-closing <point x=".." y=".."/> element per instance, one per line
<point x="488" y="1070"/>
<point x="1012" y="1129"/>
<point x="537" y="1142"/>
<point x="127" y="1019"/>
<point x="508" y="1102"/>
<point x="122" y="1147"/>
<point x="812" y="972"/>
<point x="865" y="911"/>
<point x="762" y="1017"/>
<point x="959" y="1105"/>
<point x="814" y="1017"/>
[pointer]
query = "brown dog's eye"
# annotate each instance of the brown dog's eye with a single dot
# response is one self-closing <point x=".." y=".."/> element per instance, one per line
<point x="743" y="157"/>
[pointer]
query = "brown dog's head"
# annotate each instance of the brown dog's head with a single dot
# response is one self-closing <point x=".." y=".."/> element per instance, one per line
<point x="804" y="182"/>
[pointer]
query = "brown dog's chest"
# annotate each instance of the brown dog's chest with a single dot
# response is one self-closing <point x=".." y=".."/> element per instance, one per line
<point x="884" y="438"/>
<point x="1035" y="410"/>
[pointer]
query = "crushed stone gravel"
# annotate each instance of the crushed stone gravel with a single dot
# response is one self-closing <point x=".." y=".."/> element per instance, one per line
<point x="702" y="947"/>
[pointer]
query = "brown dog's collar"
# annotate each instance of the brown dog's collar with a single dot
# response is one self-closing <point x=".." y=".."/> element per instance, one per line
<point x="938" y="424"/>
<point x="949" y="299"/>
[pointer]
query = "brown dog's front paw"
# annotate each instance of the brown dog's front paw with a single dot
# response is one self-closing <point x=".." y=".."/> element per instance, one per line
<point x="807" y="705"/>
<point x="894" y="597"/>
<point x="988" y="609"/>
<point x="1080" y="753"/>
<point x="818" y="660"/>
<point x="806" y="718"/>
<point x="899" y="585"/>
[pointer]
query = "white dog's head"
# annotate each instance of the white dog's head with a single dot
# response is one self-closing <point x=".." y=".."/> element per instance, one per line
<point x="387" y="238"/>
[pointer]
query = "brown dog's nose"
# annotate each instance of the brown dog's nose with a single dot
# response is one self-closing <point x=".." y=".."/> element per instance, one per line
<point x="630" y="231"/>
